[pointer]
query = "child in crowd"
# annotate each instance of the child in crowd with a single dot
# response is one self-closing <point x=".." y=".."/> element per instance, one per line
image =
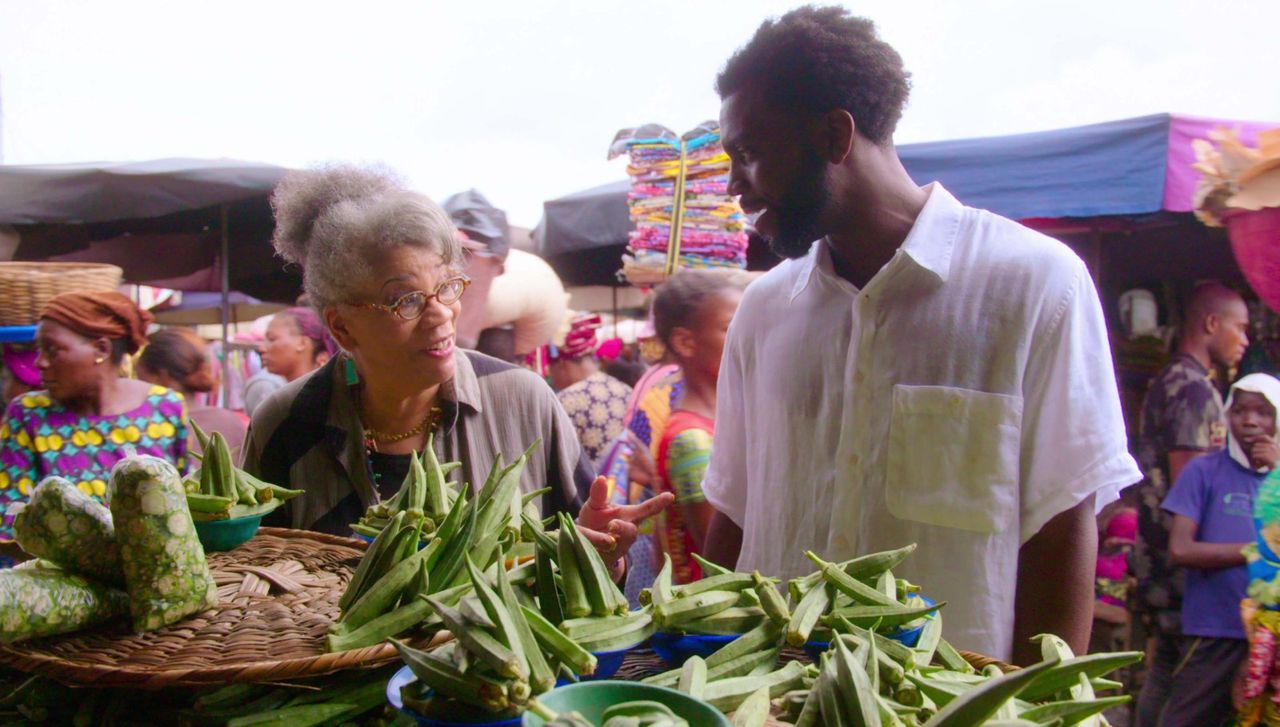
<point x="691" y="313"/>
<point x="1212" y="505"/>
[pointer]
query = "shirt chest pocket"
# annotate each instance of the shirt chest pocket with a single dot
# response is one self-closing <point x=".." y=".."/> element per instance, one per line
<point x="953" y="457"/>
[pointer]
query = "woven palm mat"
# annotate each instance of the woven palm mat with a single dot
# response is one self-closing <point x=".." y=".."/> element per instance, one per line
<point x="278" y="597"/>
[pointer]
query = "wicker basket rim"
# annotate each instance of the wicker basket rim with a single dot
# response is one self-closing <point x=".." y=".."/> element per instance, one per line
<point x="102" y="675"/>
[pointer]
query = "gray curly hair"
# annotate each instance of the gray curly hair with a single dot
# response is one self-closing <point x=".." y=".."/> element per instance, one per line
<point x="332" y="221"/>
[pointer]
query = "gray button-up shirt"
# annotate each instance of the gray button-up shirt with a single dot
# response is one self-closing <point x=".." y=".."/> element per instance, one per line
<point x="308" y="435"/>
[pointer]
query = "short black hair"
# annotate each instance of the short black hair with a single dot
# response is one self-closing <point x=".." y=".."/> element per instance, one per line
<point x="822" y="58"/>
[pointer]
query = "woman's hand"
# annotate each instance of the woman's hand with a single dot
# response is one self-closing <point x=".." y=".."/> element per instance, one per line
<point x="641" y="469"/>
<point x="611" y="528"/>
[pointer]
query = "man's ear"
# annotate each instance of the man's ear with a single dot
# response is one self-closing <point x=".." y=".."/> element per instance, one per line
<point x="682" y="342"/>
<point x="338" y="327"/>
<point x="1211" y="323"/>
<point x="836" y="131"/>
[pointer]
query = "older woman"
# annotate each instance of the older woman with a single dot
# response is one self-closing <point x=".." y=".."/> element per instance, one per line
<point x="381" y="263"/>
<point x="79" y="426"/>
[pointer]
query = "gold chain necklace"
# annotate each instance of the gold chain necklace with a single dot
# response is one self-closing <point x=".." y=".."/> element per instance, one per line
<point x="373" y="436"/>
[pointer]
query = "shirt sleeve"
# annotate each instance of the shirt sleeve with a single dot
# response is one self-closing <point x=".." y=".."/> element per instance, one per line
<point x="687" y="457"/>
<point x="1073" y="434"/>
<point x="18" y="467"/>
<point x="570" y="471"/>
<point x="1192" y="413"/>
<point x="725" y="482"/>
<point x="1187" y="498"/>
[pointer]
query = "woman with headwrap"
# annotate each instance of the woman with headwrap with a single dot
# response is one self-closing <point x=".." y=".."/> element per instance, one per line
<point x="78" y="426"/>
<point x="594" y="400"/>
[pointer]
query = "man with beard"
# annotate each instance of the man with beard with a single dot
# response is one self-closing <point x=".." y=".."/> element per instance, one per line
<point x="923" y="373"/>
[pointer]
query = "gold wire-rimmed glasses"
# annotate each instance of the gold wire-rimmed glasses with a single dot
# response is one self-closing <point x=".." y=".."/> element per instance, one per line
<point x="411" y="306"/>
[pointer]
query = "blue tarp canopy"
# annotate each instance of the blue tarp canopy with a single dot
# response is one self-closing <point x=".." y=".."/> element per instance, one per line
<point x="1124" y="169"/>
<point x="1115" y="168"/>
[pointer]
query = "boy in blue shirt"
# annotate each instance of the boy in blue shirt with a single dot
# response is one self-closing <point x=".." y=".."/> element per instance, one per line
<point x="1212" y="505"/>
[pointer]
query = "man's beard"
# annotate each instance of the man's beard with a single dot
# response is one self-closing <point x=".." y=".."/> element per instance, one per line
<point x="798" y="215"/>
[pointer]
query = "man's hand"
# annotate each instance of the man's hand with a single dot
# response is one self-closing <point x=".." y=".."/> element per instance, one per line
<point x="1055" y="583"/>
<point x="612" y="528"/>
<point x="1264" y="452"/>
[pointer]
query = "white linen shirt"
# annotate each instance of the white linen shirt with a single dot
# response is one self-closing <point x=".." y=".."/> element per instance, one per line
<point x="961" y="400"/>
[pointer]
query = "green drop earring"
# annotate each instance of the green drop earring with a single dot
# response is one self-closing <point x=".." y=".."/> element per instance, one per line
<point x="352" y="376"/>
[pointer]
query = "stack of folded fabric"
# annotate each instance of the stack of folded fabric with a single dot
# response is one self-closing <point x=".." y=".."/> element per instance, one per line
<point x="712" y="227"/>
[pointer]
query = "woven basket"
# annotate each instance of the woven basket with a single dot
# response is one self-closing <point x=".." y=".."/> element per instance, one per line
<point x="25" y="288"/>
<point x="279" y="595"/>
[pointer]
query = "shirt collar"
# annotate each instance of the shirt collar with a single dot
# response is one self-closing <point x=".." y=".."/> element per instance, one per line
<point x="807" y="265"/>
<point x="929" y="244"/>
<point x="465" y="388"/>
<point x="933" y="236"/>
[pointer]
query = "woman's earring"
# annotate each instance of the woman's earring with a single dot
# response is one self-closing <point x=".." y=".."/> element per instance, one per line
<point x="99" y="359"/>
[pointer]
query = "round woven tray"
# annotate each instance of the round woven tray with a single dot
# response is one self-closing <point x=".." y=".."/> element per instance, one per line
<point x="278" y="596"/>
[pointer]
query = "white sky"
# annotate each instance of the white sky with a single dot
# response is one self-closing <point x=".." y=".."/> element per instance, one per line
<point x="520" y="98"/>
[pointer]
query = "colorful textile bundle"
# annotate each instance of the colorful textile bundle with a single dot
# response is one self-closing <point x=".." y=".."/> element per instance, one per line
<point x="1260" y="612"/>
<point x="694" y="171"/>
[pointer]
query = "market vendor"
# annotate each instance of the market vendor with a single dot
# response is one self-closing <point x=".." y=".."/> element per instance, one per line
<point x="924" y="372"/>
<point x="380" y="263"/>
<point x="88" y="415"/>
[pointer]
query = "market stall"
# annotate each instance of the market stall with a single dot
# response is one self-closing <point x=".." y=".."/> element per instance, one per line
<point x="186" y="224"/>
<point x="174" y="591"/>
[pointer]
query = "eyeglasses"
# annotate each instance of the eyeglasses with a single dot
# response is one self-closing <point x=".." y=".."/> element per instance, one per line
<point x="411" y="306"/>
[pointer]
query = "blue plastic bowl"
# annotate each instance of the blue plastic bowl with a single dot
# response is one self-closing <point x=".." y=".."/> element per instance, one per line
<point x="220" y="535"/>
<point x="591" y="699"/>
<point x="421" y="543"/>
<point x="17" y="334"/>
<point x="675" y="649"/>
<point x="906" y="637"/>
<point x="463" y="716"/>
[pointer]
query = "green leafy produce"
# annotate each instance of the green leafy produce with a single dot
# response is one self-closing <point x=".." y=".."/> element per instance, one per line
<point x="424" y="496"/>
<point x="38" y="600"/>
<point x="221" y="491"/>
<point x="62" y="524"/>
<point x="164" y="565"/>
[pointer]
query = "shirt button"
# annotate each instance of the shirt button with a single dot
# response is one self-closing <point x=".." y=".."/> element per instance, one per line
<point x="858" y="378"/>
<point x="855" y="460"/>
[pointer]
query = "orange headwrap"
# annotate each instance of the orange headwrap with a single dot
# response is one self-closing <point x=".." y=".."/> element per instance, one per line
<point x="107" y="314"/>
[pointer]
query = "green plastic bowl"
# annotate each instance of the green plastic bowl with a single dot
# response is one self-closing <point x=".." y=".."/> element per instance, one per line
<point x="591" y="699"/>
<point x="219" y="535"/>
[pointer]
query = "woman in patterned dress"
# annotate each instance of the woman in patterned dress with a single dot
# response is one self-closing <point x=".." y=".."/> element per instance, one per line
<point x="80" y="424"/>
<point x="594" y="400"/>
